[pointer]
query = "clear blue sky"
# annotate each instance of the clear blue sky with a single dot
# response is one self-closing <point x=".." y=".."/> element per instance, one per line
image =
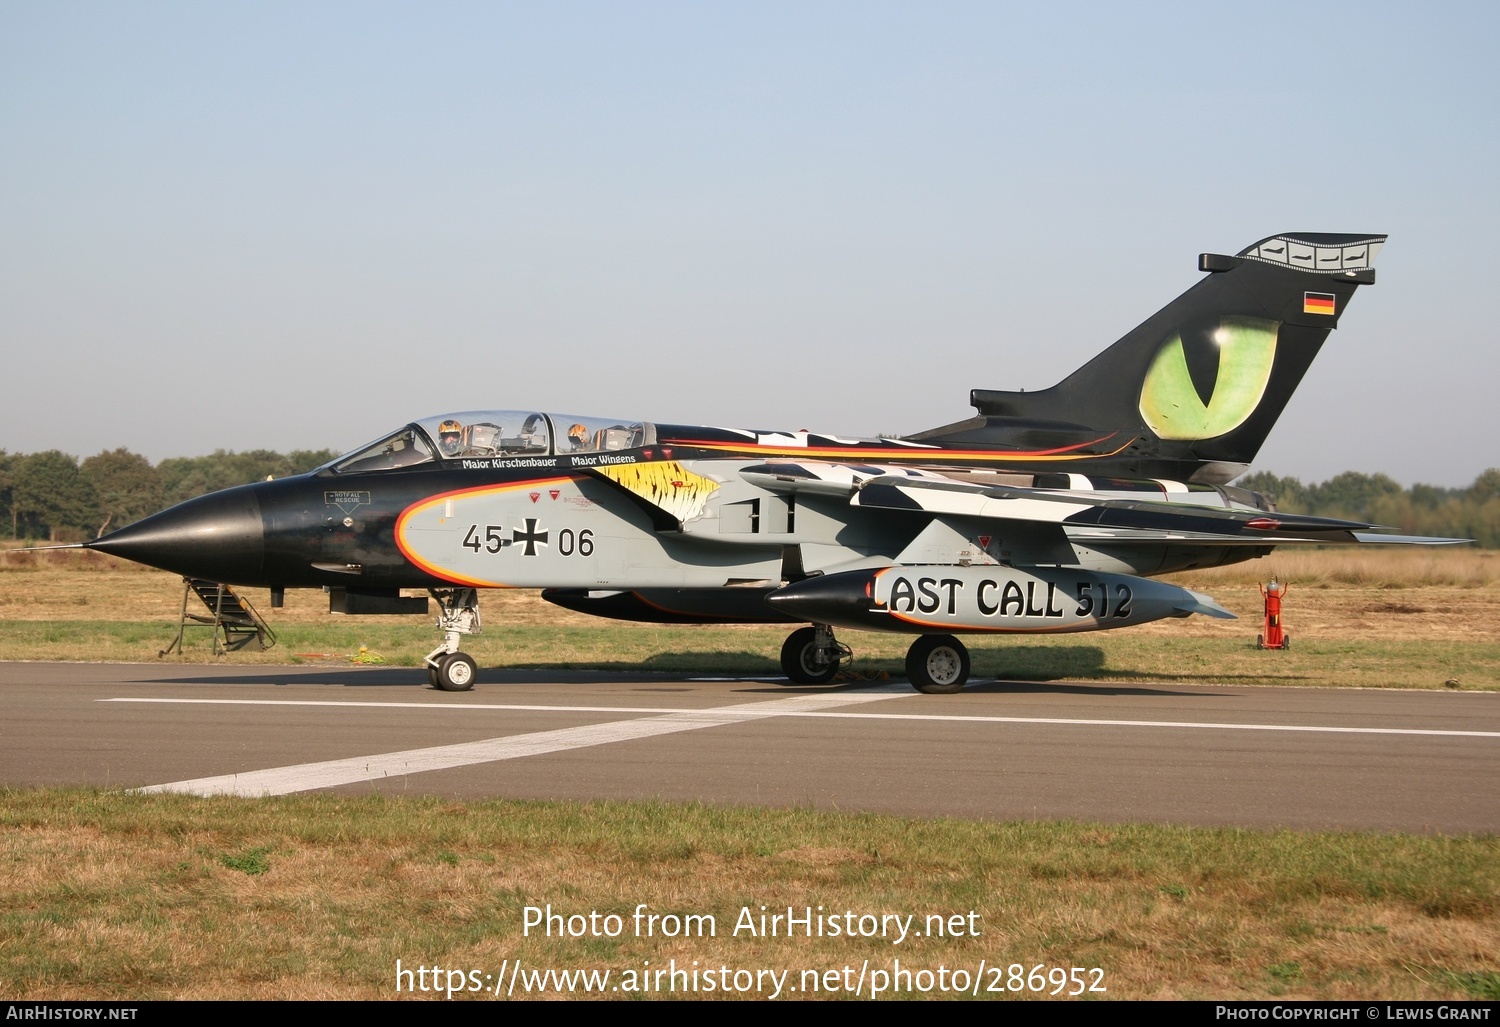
<point x="262" y="225"/>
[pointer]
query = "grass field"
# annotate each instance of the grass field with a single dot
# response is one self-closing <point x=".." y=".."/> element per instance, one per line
<point x="138" y="897"/>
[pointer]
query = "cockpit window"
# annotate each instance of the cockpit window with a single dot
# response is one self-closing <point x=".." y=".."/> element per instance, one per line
<point x="596" y="434"/>
<point x="405" y="448"/>
<point x="486" y="433"/>
<point x="477" y="434"/>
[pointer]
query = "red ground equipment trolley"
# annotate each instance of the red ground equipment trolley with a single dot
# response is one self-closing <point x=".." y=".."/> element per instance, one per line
<point x="1273" y="637"/>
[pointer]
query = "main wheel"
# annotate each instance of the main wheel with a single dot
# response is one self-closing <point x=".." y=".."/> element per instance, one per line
<point x="1286" y="641"/>
<point x="802" y="662"/>
<point x="937" y="664"/>
<point x="456" y="672"/>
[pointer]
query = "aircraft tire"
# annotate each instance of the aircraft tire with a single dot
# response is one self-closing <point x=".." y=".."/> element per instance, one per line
<point x="1260" y="641"/>
<point x="937" y="664"/>
<point x="432" y="675"/>
<point x="1286" y="641"/>
<point x="456" y="672"/>
<point x="799" y="660"/>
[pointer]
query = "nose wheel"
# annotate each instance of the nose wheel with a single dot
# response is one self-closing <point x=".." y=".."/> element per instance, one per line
<point x="458" y="615"/>
<point x="937" y="664"/>
<point x="454" y="672"/>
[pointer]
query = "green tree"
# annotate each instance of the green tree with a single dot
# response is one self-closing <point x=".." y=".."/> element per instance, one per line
<point x="1289" y="494"/>
<point x="52" y="497"/>
<point x="300" y="461"/>
<point x="1433" y="496"/>
<point x="126" y="487"/>
<point x="1486" y="486"/>
<point x="189" y="476"/>
<point x="1351" y="494"/>
<point x="7" y="479"/>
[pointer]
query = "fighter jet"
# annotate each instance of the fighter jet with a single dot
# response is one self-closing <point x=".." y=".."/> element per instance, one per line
<point x="1045" y="512"/>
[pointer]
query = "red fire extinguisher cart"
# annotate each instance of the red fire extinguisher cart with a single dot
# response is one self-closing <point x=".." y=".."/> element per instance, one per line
<point x="1273" y="637"/>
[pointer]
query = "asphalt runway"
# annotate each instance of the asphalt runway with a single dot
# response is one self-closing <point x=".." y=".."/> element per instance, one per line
<point x="1199" y="755"/>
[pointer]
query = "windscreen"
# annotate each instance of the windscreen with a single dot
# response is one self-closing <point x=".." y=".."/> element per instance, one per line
<point x="405" y="448"/>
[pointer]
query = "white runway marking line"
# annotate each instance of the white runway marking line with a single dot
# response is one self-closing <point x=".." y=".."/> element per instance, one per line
<point x="308" y="776"/>
<point x="752" y="710"/>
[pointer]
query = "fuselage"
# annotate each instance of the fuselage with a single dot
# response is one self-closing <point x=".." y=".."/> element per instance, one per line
<point x="500" y="499"/>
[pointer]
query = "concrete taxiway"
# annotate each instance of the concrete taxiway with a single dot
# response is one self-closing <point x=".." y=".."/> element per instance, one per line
<point x="1201" y="755"/>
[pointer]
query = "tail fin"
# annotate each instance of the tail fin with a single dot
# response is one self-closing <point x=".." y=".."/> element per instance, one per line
<point x="1202" y="381"/>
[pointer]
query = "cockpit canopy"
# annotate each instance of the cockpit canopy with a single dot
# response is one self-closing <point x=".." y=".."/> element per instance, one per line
<point x="477" y="434"/>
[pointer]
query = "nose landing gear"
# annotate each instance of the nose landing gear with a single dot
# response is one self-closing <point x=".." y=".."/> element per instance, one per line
<point x="458" y="614"/>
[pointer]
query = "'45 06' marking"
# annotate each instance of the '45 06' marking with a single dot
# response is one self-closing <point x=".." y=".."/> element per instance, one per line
<point x="569" y="542"/>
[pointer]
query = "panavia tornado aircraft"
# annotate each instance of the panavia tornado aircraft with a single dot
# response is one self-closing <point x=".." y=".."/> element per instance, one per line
<point x="1046" y="512"/>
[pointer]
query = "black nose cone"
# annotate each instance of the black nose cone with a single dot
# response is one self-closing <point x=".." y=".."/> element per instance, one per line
<point x="220" y="536"/>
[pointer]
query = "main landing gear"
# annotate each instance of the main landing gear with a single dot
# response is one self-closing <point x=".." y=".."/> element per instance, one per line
<point x="812" y="656"/>
<point x="458" y="614"/>
<point x="935" y="664"/>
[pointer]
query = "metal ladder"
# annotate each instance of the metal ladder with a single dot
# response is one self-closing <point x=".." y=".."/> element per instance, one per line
<point x="232" y="614"/>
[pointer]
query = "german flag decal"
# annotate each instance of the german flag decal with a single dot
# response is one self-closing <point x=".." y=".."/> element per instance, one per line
<point x="1318" y="303"/>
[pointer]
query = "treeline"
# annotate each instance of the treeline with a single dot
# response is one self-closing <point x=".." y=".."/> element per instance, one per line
<point x="1472" y="512"/>
<point x="54" y="496"/>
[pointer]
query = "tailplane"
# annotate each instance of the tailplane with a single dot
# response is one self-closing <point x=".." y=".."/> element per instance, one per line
<point x="1193" y="392"/>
